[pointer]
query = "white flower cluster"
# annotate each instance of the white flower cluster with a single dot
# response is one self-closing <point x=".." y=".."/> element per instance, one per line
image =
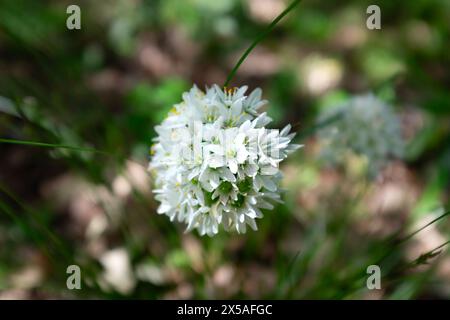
<point x="215" y="163"/>
<point x="364" y="125"/>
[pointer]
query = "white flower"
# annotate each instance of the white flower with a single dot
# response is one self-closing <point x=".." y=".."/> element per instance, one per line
<point x="230" y="150"/>
<point x="365" y="126"/>
<point x="215" y="163"/>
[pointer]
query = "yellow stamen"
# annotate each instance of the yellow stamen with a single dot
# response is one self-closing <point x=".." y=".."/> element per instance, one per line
<point x="174" y="111"/>
<point x="230" y="91"/>
<point x="152" y="150"/>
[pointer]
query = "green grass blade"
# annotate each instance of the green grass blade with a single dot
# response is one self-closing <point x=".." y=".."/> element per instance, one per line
<point x="68" y="147"/>
<point x="424" y="227"/>
<point x="51" y="145"/>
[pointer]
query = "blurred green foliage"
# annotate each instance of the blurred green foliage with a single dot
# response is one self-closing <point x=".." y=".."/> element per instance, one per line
<point x="107" y="85"/>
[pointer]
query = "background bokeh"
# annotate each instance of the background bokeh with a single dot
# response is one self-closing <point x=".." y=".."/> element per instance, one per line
<point x="107" y="85"/>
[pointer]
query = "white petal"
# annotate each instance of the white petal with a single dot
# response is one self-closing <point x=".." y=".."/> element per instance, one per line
<point x="232" y="164"/>
<point x="216" y="161"/>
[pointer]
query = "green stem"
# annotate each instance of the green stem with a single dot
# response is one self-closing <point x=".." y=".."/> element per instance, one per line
<point x="425" y="226"/>
<point x="64" y="146"/>
<point x="50" y="145"/>
<point x="320" y="125"/>
<point x="259" y="38"/>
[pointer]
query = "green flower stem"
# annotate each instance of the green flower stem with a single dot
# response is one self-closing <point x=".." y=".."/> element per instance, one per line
<point x="259" y="38"/>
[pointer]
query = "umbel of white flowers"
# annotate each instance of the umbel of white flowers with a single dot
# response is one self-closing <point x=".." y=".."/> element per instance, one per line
<point x="215" y="163"/>
<point x="365" y="126"/>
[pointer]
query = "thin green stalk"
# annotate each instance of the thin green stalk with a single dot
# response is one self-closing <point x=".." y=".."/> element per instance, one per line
<point x="259" y="38"/>
<point x="424" y="257"/>
<point x="425" y="226"/>
<point x="397" y="242"/>
<point x="320" y="125"/>
<point x="51" y="145"/>
<point x="34" y="217"/>
<point x="394" y="243"/>
<point x="63" y="146"/>
<point x="44" y="232"/>
<point x="26" y="229"/>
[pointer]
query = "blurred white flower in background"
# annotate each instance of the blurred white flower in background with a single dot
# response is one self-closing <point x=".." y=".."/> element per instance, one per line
<point x="118" y="273"/>
<point x="318" y="74"/>
<point x="364" y="126"/>
<point x="215" y="163"/>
